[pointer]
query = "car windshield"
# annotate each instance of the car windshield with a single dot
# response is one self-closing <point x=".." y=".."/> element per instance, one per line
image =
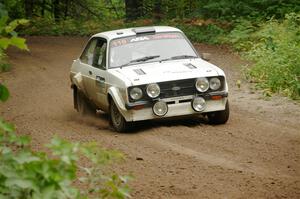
<point x="148" y="48"/>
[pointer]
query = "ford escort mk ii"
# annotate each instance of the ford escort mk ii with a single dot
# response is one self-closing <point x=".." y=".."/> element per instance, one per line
<point x="147" y="73"/>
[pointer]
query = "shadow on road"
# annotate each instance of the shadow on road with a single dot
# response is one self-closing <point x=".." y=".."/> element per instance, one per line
<point x="100" y="120"/>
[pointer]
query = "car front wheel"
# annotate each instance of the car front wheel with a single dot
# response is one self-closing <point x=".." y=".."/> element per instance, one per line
<point x="219" y="117"/>
<point x="116" y="118"/>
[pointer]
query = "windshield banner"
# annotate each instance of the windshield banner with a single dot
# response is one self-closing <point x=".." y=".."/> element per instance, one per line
<point x="134" y="39"/>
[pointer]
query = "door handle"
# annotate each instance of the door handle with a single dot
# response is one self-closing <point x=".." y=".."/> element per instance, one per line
<point x="90" y="72"/>
<point x="100" y="79"/>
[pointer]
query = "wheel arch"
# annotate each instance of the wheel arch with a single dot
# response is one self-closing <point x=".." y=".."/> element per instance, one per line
<point x="115" y="95"/>
<point x="109" y="98"/>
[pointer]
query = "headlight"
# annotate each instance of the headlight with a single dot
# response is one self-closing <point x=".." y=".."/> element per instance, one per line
<point x="160" y="108"/>
<point x="214" y="83"/>
<point x="136" y="93"/>
<point x="198" y="104"/>
<point x="202" y="84"/>
<point x="153" y="90"/>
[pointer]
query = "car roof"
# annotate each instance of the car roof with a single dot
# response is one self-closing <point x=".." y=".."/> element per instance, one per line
<point x="109" y="35"/>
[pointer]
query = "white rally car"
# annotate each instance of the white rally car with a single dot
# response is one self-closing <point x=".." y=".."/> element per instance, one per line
<point x="147" y="73"/>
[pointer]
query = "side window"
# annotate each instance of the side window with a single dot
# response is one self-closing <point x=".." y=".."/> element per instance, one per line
<point x="88" y="53"/>
<point x="99" y="60"/>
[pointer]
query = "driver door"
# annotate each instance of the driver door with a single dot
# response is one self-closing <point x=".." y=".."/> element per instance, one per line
<point x="97" y="78"/>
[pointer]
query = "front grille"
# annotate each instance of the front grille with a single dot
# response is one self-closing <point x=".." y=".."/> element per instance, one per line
<point x="177" y="88"/>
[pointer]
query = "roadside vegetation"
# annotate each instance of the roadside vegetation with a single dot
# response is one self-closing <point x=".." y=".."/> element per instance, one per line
<point x="274" y="48"/>
<point x="26" y="173"/>
<point x="9" y="37"/>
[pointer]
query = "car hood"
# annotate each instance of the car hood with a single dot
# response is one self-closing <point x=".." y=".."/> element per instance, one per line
<point x="168" y="70"/>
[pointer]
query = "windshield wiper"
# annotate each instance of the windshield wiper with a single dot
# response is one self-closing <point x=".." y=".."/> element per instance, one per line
<point x="142" y="59"/>
<point x="179" y="57"/>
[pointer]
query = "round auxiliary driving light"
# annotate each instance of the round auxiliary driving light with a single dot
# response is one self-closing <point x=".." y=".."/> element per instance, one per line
<point x="136" y="93"/>
<point x="202" y="84"/>
<point x="214" y="83"/>
<point x="153" y="90"/>
<point x="198" y="104"/>
<point x="160" y="108"/>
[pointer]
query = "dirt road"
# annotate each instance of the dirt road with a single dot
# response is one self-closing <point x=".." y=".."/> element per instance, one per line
<point x="255" y="155"/>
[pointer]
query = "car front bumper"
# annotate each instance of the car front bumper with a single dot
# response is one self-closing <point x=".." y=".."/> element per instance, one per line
<point x="178" y="106"/>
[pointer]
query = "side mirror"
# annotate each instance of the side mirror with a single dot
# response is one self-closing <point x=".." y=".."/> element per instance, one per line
<point x="205" y="56"/>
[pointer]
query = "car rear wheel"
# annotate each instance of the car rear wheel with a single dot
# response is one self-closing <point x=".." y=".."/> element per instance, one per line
<point x="116" y="118"/>
<point x="219" y="117"/>
<point x="83" y="106"/>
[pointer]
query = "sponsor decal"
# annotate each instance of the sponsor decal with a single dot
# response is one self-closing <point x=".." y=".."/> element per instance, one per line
<point x="139" y="39"/>
<point x="133" y="39"/>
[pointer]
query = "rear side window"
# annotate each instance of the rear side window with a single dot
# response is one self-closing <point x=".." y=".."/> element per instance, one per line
<point x="95" y="53"/>
<point x="88" y="53"/>
<point x="99" y="59"/>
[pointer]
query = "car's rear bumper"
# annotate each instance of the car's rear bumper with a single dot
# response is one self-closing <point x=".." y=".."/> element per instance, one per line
<point x="176" y="107"/>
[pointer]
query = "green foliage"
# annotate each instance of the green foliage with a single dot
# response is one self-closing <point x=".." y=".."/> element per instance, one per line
<point x="85" y="18"/>
<point x="89" y="17"/>
<point x="255" y="9"/>
<point x="28" y="174"/>
<point x="221" y="9"/>
<point x="4" y="93"/>
<point x="25" y="173"/>
<point x="4" y="126"/>
<point x="61" y="10"/>
<point x="274" y="46"/>
<point x="240" y="35"/>
<point x="276" y="53"/>
<point x="167" y="9"/>
<point x="204" y="33"/>
<point x="8" y="30"/>
<point x="43" y="26"/>
<point x="9" y="37"/>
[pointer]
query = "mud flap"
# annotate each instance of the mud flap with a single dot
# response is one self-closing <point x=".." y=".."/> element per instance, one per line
<point x="78" y="81"/>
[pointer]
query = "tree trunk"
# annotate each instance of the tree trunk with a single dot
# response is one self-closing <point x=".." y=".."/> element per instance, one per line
<point x="82" y="5"/>
<point x="157" y="10"/>
<point x="133" y="9"/>
<point x="28" y="5"/>
<point x="66" y="8"/>
<point x="43" y="8"/>
<point x="56" y="10"/>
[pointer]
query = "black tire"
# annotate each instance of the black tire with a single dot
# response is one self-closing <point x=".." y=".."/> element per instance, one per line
<point x="116" y="118"/>
<point x="219" y="117"/>
<point x="83" y="106"/>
